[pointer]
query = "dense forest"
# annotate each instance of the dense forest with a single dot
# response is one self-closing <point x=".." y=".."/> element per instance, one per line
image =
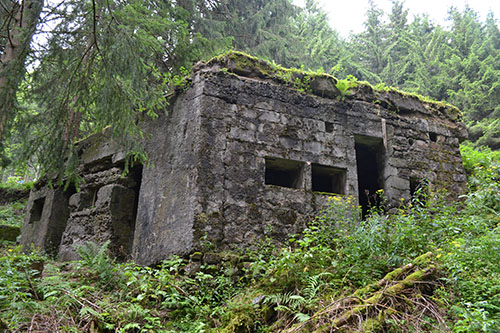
<point x="72" y="68"/>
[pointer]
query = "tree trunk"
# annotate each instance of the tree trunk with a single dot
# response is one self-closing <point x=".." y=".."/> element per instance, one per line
<point x="21" y="27"/>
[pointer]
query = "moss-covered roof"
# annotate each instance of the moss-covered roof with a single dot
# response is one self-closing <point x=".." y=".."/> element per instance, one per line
<point x="328" y="86"/>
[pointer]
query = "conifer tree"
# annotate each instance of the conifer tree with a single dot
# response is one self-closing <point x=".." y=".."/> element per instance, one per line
<point x="105" y="63"/>
<point x="19" y="20"/>
<point x="260" y="27"/>
<point x="317" y="45"/>
<point x="426" y="45"/>
<point x="396" y="62"/>
<point x="474" y="73"/>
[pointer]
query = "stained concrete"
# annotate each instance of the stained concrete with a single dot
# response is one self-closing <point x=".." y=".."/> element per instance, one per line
<point x="243" y="155"/>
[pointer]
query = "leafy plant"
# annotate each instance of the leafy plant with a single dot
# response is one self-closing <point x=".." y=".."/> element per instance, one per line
<point x="12" y="214"/>
<point x="96" y="258"/>
<point x="16" y="183"/>
<point x="343" y="85"/>
<point x="19" y="274"/>
<point x="274" y="288"/>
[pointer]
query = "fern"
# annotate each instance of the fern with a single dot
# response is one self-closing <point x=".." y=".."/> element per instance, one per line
<point x="314" y="285"/>
<point x="97" y="259"/>
<point x="344" y="85"/>
<point x="92" y="253"/>
<point x="302" y="317"/>
<point x="287" y="302"/>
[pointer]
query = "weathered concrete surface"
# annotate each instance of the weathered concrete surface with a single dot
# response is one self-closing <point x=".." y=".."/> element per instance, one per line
<point x="167" y="199"/>
<point x="105" y="207"/>
<point x="241" y="155"/>
<point x="212" y="188"/>
<point x="46" y="216"/>
<point x="109" y="217"/>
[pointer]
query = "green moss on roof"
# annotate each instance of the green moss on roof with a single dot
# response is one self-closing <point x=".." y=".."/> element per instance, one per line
<point x="243" y="64"/>
<point x="426" y="99"/>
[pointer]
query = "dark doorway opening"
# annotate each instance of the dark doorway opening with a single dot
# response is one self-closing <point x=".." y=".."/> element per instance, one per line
<point x="123" y="210"/>
<point x="370" y="167"/>
<point x="285" y="173"/>
<point x="328" y="179"/>
<point x="127" y="240"/>
<point x="37" y="210"/>
<point x="414" y="186"/>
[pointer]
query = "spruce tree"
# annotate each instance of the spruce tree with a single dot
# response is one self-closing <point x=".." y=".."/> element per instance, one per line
<point x="19" y="21"/>
<point x="317" y="45"/>
<point x="106" y="63"/>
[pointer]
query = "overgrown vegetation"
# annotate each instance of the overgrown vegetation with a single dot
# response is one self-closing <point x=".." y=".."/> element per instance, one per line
<point x="16" y="183"/>
<point x="300" y="79"/>
<point x="12" y="214"/>
<point x="342" y="270"/>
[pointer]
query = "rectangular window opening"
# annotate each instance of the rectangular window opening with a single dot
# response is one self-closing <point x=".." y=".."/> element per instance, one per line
<point x="328" y="179"/>
<point x="284" y="173"/>
<point x="37" y="210"/>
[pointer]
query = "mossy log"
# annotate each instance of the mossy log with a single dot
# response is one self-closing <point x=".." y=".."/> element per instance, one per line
<point x="377" y="297"/>
<point x="342" y="313"/>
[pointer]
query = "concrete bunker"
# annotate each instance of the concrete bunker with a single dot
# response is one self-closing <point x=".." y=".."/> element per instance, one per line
<point x="104" y="208"/>
<point x="242" y="155"/>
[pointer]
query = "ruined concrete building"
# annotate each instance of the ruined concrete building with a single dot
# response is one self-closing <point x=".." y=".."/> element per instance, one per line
<point x="249" y="149"/>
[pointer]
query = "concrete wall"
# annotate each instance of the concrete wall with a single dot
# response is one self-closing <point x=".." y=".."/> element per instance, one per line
<point x="169" y="187"/>
<point x="240" y="158"/>
<point x="46" y="217"/>
<point x="212" y="183"/>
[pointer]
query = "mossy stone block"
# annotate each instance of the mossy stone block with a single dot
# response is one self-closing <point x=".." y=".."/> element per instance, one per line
<point x="9" y="232"/>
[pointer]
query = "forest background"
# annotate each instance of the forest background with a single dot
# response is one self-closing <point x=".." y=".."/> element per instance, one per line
<point x="71" y="68"/>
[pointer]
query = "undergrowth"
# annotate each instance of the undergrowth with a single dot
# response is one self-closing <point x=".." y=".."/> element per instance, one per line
<point x="273" y="289"/>
<point x="16" y="183"/>
<point x="12" y="214"/>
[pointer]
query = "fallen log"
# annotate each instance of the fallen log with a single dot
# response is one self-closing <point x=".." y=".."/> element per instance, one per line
<point x="398" y="295"/>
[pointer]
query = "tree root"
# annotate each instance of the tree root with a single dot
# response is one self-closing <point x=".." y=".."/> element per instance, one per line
<point x="402" y="296"/>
